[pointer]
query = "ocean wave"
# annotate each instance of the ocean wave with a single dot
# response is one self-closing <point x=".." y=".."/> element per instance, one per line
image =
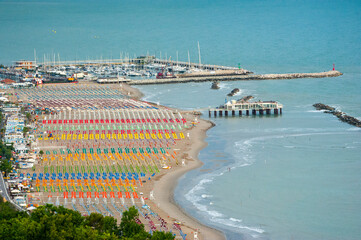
<point x="235" y="220"/>
<point x="315" y="111"/>
<point x="237" y="225"/>
<point x="215" y="216"/>
<point x="353" y="129"/>
<point x="289" y="146"/>
<point x="205" y="203"/>
<point x="224" y="85"/>
<point x="206" y="196"/>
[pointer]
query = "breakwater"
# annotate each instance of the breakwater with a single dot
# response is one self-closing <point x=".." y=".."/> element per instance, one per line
<point x="236" y="78"/>
<point x="341" y="115"/>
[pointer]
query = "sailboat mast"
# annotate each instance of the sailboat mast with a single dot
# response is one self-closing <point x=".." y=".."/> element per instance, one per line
<point x="34" y="56"/>
<point x="199" y="55"/>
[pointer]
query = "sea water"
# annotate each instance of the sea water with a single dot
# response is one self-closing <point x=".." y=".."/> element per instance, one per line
<point x="294" y="176"/>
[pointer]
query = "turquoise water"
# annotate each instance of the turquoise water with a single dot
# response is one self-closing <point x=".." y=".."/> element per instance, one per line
<point x="295" y="176"/>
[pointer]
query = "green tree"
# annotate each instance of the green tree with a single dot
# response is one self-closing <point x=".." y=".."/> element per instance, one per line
<point x="5" y="165"/>
<point x="28" y="116"/>
<point x="25" y="130"/>
<point x="7" y="211"/>
<point x="129" y="228"/>
<point x="162" y="236"/>
<point x="59" y="223"/>
<point x="95" y="221"/>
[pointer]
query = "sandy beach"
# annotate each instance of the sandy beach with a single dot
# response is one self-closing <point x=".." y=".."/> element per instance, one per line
<point x="157" y="191"/>
<point x="164" y="186"/>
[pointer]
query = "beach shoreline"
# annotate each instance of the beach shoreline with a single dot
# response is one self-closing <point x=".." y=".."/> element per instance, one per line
<point x="158" y="190"/>
<point x="165" y="184"/>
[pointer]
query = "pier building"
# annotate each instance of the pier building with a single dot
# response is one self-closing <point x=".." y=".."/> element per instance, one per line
<point x="234" y="107"/>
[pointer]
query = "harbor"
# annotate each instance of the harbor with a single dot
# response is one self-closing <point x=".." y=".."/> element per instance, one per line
<point x="143" y="70"/>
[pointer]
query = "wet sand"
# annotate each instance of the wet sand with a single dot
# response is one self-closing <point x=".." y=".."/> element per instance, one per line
<point x="165" y="184"/>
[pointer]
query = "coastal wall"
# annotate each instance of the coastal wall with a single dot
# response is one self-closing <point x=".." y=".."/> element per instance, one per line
<point x="236" y="78"/>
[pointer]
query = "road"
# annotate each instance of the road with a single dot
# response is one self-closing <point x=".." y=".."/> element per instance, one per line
<point x="5" y="193"/>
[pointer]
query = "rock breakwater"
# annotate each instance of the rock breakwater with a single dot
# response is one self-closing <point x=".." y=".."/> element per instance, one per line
<point x="341" y="115"/>
<point x="236" y="78"/>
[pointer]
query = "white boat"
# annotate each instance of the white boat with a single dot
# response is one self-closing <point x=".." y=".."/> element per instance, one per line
<point x="133" y="74"/>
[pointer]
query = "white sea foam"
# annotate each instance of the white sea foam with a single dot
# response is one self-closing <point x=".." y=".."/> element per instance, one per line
<point x="315" y="111"/>
<point x="200" y="200"/>
<point x="289" y="146"/>
<point x="353" y="129"/>
<point x="206" y="196"/>
<point x="224" y="85"/>
<point x="239" y="93"/>
<point x="235" y="219"/>
<point x="236" y="224"/>
<point x="204" y="202"/>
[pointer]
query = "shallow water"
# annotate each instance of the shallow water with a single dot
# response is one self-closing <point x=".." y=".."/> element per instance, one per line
<point x="294" y="176"/>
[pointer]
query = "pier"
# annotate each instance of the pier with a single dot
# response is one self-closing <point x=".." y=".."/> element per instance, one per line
<point x="236" y="77"/>
<point x="233" y="108"/>
<point x="193" y="65"/>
